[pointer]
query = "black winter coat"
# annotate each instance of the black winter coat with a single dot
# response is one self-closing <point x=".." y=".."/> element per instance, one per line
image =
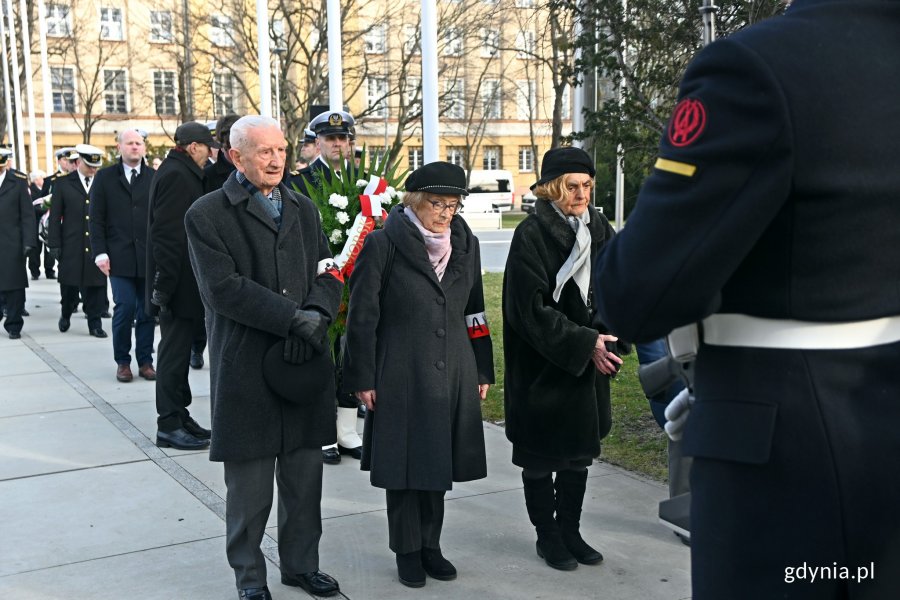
<point x="253" y="276"/>
<point x="416" y="352"/>
<point x="177" y="184"/>
<point x="119" y="219"/>
<point x="217" y="173"/>
<point x="69" y="230"/>
<point x="17" y="230"/>
<point x="557" y="404"/>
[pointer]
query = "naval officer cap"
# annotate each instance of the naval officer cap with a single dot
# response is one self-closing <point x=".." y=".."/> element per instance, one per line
<point x="66" y="152"/>
<point x="331" y="123"/>
<point x="5" y="155"/>
<point x="91" y="155"/>
<point x="309" y="136"/>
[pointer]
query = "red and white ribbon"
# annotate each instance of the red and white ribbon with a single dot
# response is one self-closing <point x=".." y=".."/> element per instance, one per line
<point x="370" y="199"/>
<point x="356" y="235"/>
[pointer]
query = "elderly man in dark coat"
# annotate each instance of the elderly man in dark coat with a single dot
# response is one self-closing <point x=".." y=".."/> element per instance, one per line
<point x="17" y="236"/>
<point x="172" y="287"/>
<point x="69" y="242"/>
<point x="266" y="276"/>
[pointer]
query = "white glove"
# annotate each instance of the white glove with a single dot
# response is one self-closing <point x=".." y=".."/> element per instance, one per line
<point x="677" y="413"/>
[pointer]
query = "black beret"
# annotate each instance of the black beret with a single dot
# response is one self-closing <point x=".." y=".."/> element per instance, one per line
<point x="559" y="161"/>
<point x="302" y="384"/>
<point x="438" y="178"/>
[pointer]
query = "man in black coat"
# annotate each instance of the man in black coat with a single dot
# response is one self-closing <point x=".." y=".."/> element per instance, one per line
<point x="69" y="242"/>
<point x="18" y="236"/>
<point x="36" y="179"/>
<point x="218" y="172"/>
<point x="120" y="196"/>
<point x="262" y="264"/>
<point x="771" y="217"/>
<point x="173" y="288"/>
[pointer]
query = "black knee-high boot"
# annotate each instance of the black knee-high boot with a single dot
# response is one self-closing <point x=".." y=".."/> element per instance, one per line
<point x="539" y="502"/>
<point x="570" y="487"/>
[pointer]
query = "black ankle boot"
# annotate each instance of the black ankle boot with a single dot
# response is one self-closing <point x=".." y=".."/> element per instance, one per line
<point x="436" y="565"/>
<point x="539" y="502"/>
<point x="570" y="487"/>
<point x="409" y="569"/>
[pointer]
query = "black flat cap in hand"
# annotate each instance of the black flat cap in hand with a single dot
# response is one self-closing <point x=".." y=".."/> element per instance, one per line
<point x="193" y="131"/>
<point x="301" y="384"/>
<point x="559" y="161"/>
<point x="438" y="178"/>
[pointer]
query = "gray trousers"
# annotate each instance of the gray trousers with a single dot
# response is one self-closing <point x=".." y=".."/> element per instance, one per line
<point x="415" y="519"/>
<point x="249" y="501"/>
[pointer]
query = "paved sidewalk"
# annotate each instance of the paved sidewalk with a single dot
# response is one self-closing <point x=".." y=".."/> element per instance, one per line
<point x="91" y="509"/>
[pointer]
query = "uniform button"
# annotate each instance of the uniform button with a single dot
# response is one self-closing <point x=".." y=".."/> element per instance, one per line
<point x="87" y="249"/>
<point x="439" y="300"/>
<point x="87" y="218"/>
<point x="440" y="365"/>
<point x="440" y="333"/>
<point x="87" y="201"/>
<point x="86" y="234"/>
<point x="284" y="292"/>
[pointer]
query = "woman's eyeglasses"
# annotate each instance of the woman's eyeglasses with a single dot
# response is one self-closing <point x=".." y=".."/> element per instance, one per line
<point x="439" y="207"/>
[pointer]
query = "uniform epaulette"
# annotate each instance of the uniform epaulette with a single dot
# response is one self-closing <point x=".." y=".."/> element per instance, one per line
<point x="20" y="175"/>
<point x="294" y="173"/>
<point x="54" y="177"/>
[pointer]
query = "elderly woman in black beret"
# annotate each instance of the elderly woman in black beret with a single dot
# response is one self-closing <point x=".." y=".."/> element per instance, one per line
<point x="558" y="358"/>
<point x="419" y="356"/>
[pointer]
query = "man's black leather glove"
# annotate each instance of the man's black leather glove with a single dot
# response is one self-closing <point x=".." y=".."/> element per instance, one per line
<point x="160" y="299"/>
<point x="312" y="327"/>
<point x="297" y="351"/>
<point x="27" y="250"/>
<point x="55" y="253"/>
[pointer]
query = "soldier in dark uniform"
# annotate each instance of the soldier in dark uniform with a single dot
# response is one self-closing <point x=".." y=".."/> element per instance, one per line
<point x="772" y="217"/>
<point x="65" y="161"/>
<point x="332" y="131"/>
<point x="18" y="237"/>
<point x="218" y="172"/>
<point x="69" y="242"/>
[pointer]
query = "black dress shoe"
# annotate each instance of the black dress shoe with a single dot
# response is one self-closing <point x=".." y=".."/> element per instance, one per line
<point x="179" y="439"/>
<point x="409" y="569"/>
<point x="51" y="275"/>
<point x="331" y="456"/>
<point x="35" y="277"/>
<point x="316" y="583"/>
<point x="196" y="360"/>
<point x="25" y="313"/>
<point x="98" y="333"/>
<point x="353" y="452"/>
<point x="105" y="315"/>
<point x="14" y="335"/>
<point x="63" y="324"/>
<point x="436" y="565"/>
<point x="260" y="593"/>
<point x="194" y="428"/>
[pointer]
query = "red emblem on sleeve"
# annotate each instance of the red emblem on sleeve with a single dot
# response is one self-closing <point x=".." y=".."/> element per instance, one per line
<point x="688" y="122"/>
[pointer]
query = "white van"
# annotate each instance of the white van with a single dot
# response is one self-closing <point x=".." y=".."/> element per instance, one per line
<point x="489" y="191"/>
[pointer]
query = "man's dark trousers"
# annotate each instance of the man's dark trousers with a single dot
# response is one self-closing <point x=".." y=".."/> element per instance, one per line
<point x="15" y="304"/>
<point x="248" y="503"/>
<point x="94" y="299"/>
<point x="173" y="392"/>
<point x="34" y="261"/>
<point x="128" y="295"/>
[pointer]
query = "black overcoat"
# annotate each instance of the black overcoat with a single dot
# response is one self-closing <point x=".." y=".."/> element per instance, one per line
<point x="119" y="219"/>
<point x="177" y="184"/>
<point x="69" y="230"/>
<point x="557" y="404"/>
<point x="416" y="352"/>
<point x="217" y="173"/>
<point x="253" y="276"/>
<point x="17" y="230"/>
<point x="776" y="197"/>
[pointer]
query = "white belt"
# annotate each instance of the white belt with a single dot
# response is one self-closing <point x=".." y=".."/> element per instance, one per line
<point x="757" y="332"/>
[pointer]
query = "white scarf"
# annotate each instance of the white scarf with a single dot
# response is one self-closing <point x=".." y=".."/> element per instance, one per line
<point x="436" y="244"/>
<point x="578" y="265"/>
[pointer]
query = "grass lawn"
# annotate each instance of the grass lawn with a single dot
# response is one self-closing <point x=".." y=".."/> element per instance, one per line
<point x="635" y="443"/>
<point x="509" y="220"/>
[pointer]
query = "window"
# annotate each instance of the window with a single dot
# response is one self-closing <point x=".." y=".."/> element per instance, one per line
<point x="526" y="159"/>
<point x="412" y="90"/>
<point x="376" y="154"/>
<point x="164" y="92"/>
<point x="375" y="40"/>
<point x="454" y="103"/>
<point x="376" y="96"/>
<point x="492" y="156"/>
<point x="490" y="98"/>
<point x="59" y="21"/>
<point x="525" y="99"/>
<point x="220" y="32"/>
<point x="62" y="83"/>
<point x="416" y="158"/>
<point x="566" y="112"/>
<point x="490" y="41"/>
<point x="111" y="27"/>
<point x="223" y="94"/>
<point x="411" y="39"/>
<point x="456" y="155"/>
<point x="115" y="91"/>
<point x="525" y="44"/>
<point x="524" y="3"/>
<point x="453" y="42"/>
<point x="161" y="26"/>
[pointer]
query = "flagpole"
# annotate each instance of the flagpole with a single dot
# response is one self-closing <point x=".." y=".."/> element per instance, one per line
<point x="263" y="58"/>
<point x="47" y="93"/>
<point x="6" y="95"/>
<point x="335" y="60"/>
<point x="14" y="52"/>
<point x="29" y="88"/>
<point x="430" y="142"/>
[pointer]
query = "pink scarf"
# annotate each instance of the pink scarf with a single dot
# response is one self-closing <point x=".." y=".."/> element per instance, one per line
<point x="436" y="244"/>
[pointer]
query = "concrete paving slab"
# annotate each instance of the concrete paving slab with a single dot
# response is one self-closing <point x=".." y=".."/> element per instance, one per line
<point x="72" y="517"/>
<point x="17" y="359"/>
<point x="37" y="393"/>
<point x="61" y="441"/>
